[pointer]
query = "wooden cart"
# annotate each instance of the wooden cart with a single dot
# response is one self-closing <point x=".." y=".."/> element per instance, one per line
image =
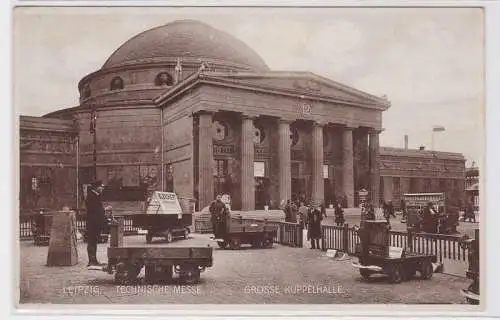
<point x="376" y="256"/>
<point x="159" y="263"/>
<point x="237" y="231"/>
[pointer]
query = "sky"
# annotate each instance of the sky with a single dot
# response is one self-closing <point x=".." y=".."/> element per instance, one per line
<point x="429" y="62"/>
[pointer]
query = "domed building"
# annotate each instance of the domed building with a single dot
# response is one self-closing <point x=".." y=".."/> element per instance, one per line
<point x="188" y="108"/>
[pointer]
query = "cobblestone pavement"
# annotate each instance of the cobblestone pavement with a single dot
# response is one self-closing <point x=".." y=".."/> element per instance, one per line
<point x="244" y="276"/>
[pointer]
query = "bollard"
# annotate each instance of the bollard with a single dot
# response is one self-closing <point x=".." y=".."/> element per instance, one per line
<point x="62" y="243"/>
<point x="116" y="232"/>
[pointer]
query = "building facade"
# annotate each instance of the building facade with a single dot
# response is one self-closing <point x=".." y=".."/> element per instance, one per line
<point x="187" y="108"/>
<point x="421" y="171"/>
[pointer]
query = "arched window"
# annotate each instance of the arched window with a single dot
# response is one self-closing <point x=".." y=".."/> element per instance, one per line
<point x="164" y="79"/>
<point x="116" y="83"/>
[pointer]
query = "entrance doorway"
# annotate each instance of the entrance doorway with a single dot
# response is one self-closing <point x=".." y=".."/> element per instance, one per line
<point x="222" y="180"/>
<point x="262" y="197"/>
<point x="298" y="190"/>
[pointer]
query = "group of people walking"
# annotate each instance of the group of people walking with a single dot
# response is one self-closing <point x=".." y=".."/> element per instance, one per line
<point x="309" y="216"/>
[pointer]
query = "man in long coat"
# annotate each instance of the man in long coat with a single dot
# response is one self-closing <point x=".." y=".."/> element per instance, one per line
<point x="218" y="210"/>
<point x="95" y="220"/>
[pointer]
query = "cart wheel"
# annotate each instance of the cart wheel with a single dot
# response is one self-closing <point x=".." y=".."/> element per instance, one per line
<point x="267" y="243"/>
<point x="395" y="275"/>
<point x="149" y="237"/>
<point x="186" y="233"/>
<point x="168" y="236"/>
<point x="472" y="301"/>
<point x="365" y="273"/>
<point x="235" y="243"/>
<point x="222" y="244"/>
<point x="190" y="275"/>
<point x="426" y="270"/>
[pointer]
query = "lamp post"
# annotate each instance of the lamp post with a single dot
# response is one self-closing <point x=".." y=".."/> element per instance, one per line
<point x="93" y="123"/>
<point x="435" y="129"/>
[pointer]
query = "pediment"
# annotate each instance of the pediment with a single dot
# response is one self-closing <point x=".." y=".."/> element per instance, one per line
<point x="307" y="84"/>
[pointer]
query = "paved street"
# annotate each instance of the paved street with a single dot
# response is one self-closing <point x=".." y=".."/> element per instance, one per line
<point x="244" y="276"/>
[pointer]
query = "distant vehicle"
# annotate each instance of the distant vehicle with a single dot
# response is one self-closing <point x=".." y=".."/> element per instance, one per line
<point x="445" y="220"/>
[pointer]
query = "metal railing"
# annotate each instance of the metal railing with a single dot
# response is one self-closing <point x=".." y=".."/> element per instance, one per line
<point x="445" y="247"/>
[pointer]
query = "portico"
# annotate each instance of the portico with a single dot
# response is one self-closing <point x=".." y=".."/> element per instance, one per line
<point x="313" y="146"/>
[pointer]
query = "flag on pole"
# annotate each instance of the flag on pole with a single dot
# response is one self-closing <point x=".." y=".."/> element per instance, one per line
<point x="93" y="119"/>
<point x="438" y="128"/>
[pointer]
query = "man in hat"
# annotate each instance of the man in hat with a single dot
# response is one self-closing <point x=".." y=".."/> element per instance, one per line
<point x="95" y="220"/>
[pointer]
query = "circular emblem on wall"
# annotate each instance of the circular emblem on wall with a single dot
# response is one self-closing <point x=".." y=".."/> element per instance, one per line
<point x="294" y="136"/>
<point x="220" y="130"/>
<point x="259" y="134"/>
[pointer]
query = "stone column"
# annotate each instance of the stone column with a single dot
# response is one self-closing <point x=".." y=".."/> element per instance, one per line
<point x="285" y="174"/>
<point x="318" y="186"/>
<point x="374" y="167"/>
<point x="388" y="188"/>
<point x="348" y="163"/>
<point x="205" y="161"/>
<point x="247" y="163"/>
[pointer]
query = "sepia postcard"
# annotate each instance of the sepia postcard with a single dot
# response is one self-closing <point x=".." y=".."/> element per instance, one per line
<point x="269" y="156"/>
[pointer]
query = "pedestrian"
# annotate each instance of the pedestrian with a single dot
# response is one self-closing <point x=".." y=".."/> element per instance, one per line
<point x="390" y="209"/>
<point x="287" y="211"/>
<point x="339" y="215"/>
<point x="323" y="210"/>
<point x="403" y="208"/>
<point x="294" y="211"/>
<point x="302" y="214"/>
<point x="370" y="212"/>
<point x="95" y="220"/>
<point x="315" y="227"/>
<point x="217" y="211"/>
<point x="470" y="212"/>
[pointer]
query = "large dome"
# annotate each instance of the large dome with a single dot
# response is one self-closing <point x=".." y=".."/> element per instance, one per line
<point x="185" y="39"/>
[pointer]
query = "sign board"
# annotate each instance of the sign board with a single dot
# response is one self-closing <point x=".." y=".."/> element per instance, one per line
<point x="164" y="203"/>
<point x="325" y="171"/>
<point x="259" y="169"/>
<point x="395" y="252"/>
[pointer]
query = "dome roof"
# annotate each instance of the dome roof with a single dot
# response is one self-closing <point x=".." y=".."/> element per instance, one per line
<point x="185" y="39"/>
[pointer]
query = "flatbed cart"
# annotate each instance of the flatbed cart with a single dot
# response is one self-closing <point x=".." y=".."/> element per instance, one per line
<point x="377" y="257"/>
<point x="471" y="294"/>
<point x="164" y="217"/>
<point x="160" y="263"/>
<point x="237" y="231"/>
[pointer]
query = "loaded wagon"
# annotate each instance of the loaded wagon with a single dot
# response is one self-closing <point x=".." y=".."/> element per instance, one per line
<point x="159" y="263"/>
<point x="376" y="256"/>
<point x="164" y="217"/>
<point x="233" y="232"/>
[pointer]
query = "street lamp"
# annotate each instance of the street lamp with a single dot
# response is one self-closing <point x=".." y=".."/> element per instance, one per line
<point x="435" y="129"/>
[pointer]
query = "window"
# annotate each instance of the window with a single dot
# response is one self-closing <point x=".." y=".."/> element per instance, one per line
<point x="325" y="171"/>
<point x="164" y="79"/>
<point x="220" y="130"/>
<point x="259" y="169"/>
<point x="259" y="134"/>
<point x="116" y="83"/>
<point x="396" y="181"/>
<point x="169" y="178"/>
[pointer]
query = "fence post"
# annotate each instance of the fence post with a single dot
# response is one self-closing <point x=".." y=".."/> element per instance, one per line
<point x="410" y="239"/>
<point x="323" y="238"/>
<point x="345" y="238"/>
